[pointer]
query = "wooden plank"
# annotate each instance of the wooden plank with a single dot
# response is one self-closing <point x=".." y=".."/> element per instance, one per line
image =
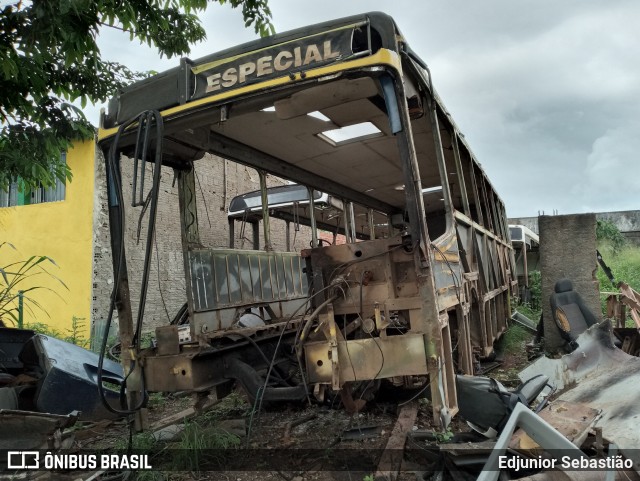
<point x="182" y="415"/>
<point x="391" y="459"/>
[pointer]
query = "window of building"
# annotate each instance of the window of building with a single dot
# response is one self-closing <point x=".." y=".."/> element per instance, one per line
<point x="14" y="196"/>
<point x="9" y="198"/>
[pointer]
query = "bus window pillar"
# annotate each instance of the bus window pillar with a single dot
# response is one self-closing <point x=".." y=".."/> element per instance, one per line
<point x="188" y="208"/>
<point x="372" y="225"/>
<point x="312" y="218"/>
<point x="255" y="228"/>
<point x="460" y="175"/>
<point x="288" y="235"/>
<point x="442" y="169"/>
<point x="265" y="212"/>
<point x="352" y="222"/>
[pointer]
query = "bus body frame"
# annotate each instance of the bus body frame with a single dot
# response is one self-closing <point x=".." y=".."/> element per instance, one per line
<point x="413" y="308"/>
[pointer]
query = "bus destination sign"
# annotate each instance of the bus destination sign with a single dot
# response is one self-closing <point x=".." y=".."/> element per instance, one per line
<point x="271" y="62"/>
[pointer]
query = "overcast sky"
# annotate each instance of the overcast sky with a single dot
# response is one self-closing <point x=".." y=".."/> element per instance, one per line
<point x="546" y="92"/>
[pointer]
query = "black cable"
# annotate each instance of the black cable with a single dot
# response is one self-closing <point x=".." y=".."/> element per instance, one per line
<point x="116" y="184"/>
<point x="260" y="394"/>
<point x="145" y="206"/>
<point x="152" y="218"/>
<point x="262" y="354"/>
<point x="179" y="318"/>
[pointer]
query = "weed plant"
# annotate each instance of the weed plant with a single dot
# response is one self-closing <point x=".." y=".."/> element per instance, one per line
<point x="622" y="258"/>
<point x="18" y="280"/>
<point x="514" y="340"/>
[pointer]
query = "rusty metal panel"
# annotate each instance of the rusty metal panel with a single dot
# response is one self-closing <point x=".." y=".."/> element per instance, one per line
<point x="447" y="272"/>
<point x="182" y="373"/>
<point x="225" y="278"/>
<point x="481" y="255"/>
<point x="31" y="430"/>
<point x="365" y="359"/>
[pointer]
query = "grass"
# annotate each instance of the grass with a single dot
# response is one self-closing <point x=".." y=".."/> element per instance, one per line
<point x="530" y="312"/>
<point x="514" y="340"/>
<point x="234" y="405"/>
<point x="144" y="441"/>
<point x="202" y="443"/>
<point x="624" y="264"/>
<point x="73" y="335"/>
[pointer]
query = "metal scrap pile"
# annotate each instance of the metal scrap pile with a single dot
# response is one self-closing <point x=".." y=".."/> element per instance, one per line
<point x="40" y="374"/>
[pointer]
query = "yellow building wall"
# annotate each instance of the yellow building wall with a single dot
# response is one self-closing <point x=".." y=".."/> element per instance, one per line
<point x="62" y="231"/>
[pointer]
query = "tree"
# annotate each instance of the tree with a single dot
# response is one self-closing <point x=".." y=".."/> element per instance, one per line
<point x="49" y="58"/>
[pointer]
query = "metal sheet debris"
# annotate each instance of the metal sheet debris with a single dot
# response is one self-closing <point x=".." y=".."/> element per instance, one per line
<point x="602" y="377"/>
<point x="29" y="430"/>
<point x="572" y="420"/>
<point x="39" y="372"/>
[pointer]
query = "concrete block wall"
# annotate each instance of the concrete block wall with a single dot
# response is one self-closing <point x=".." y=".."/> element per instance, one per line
<point x="567" y="250"/>
<point x="627" y="222"/>
<point x="215" y="186"/>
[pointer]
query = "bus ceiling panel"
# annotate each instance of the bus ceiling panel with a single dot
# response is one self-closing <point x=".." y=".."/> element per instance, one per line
<point x="361" y="158"/>
<point x="386" y="150"/>
<point x="345" y="163"/>
<point x="373" y="186"/>
<point x="325" y="96"/>
<point x="284" y="139"/>
<point x="357" y="112"/>
<point x="237" y="151"/>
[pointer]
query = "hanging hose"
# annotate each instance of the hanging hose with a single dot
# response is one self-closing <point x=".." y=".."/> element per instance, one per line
<point x="116" y="198"/>
<point x="314" y="314"/>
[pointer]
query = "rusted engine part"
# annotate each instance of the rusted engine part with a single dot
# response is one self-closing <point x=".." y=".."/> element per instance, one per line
<point x="603" y="377"/>
<point x="380" y="326"/>
<point x="30" y="430"/>
<point x="243" y="355"/>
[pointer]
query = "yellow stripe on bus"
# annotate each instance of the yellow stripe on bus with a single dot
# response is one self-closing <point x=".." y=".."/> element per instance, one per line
<point x="381" y="57"/>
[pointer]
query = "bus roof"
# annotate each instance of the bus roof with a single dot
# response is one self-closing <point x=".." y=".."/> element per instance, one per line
<point x="256" y="104"/>
<point x="522" y="234"/>
<point x="162" y="91"/>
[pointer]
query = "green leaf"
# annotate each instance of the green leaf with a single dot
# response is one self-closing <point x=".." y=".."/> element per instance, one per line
<point x="49" y="56"/>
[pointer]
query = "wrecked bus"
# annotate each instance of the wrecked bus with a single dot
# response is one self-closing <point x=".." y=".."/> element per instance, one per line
<point x="344" y="108"/>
